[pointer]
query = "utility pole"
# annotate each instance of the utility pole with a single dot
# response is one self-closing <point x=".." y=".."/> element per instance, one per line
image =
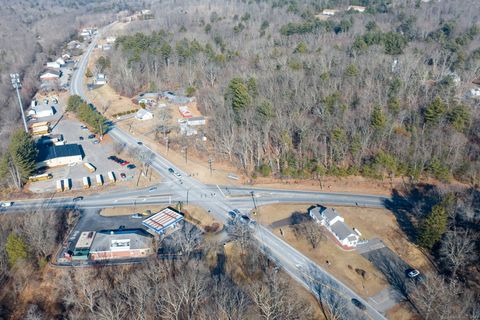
<point x="253" y="199"/>
<point x="17" y="85"/>
<point x="210" y="165"/>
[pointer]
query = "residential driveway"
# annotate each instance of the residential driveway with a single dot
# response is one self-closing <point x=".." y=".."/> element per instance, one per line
<point x="391" y="265"/>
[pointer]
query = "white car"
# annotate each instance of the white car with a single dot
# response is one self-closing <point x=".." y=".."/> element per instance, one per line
<point x="6" y="204"/>
<point x="178" y="175"/>
<point x="412" y="273"/>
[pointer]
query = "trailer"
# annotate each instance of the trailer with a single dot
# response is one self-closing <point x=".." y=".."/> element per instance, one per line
<point x="59" y="185"/>
<point x="89" y="166"/>
<point x="111" y="176"/>
<point x="99" y="179"/>
<point x="86" y="182"/>
<point x="40" y="177"/>
<point x="66" y="184"/>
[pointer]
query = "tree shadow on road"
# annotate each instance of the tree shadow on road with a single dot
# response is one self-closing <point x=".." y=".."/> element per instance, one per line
<point x="410" y="205"/>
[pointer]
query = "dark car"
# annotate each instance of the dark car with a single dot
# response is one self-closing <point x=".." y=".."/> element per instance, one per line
<point x="91" y="136"/>
<point x="131" y="166"/>
<point x="245" y="219"/>
<point x="139" y="143"/>
<point x="123" y="175"/>
<point x="77" y="199"/>
<point x="232" y="214"/>
<point x="80" y="138"/>
<point x="358" y="304"/>
<point x="112" y="158"/>
<point x="171" y="170"/>
<point x="121" y="227"/>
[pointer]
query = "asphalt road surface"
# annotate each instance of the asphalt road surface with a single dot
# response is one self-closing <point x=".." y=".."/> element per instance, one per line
<point x="176" y="189"/>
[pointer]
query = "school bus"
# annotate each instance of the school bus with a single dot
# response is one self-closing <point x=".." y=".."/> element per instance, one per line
<point x="89" y="167"/>
<point x="40" y="177"/>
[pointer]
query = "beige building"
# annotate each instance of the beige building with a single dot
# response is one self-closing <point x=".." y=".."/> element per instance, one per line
<point x="121" y="244"/>
<point x="55" y="156"/>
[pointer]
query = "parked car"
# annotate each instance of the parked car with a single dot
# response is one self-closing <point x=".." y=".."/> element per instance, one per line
<point x="121" y="227"/>
<point x="177" y="174"/>
<point x="91" y="136"/>
<point x="83" y="127"/>
<point x="77" y="199"/>
<point x="232" y="214"/>
<point x="139" y="143"/>
<point x="137" y="216"/>
<point x="80" y="138"/>
<point x="131" y="166"/>
<point x="412" y="273"/>
<point x="124" y="163"/>
<point x="95" y="141"/>
<point x="245" y="219"/>
<point x="358" y="304"/>
<point x="112" y="158"/>
<point x="171" y="170"/>
<point x="6" y="204"/>
<point x="123" y="175"/>
<point x="152" y="189"/>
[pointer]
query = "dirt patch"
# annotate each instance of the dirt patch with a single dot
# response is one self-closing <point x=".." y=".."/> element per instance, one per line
<point x="125" y="211"/>
<point x="201" y="218"/>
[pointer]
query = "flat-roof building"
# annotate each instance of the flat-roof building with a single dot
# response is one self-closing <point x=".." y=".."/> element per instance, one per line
<point x="165" y="220"/>
<point x="121" y="244"/>
<point x="82" y="247"/>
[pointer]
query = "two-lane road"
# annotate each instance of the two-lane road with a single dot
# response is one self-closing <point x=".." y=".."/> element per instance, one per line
<point x="288" y="257"/>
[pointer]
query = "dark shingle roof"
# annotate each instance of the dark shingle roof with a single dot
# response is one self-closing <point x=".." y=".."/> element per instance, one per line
<point x="68" y="150"/>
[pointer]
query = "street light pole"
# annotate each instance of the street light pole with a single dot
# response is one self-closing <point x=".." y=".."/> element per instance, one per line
<point x="16" y="85"/>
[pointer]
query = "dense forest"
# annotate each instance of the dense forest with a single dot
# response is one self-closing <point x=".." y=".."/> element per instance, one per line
<point x="379" y="93"/>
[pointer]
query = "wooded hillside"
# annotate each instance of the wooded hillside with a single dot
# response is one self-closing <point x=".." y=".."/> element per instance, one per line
<point x="377" y="93"/>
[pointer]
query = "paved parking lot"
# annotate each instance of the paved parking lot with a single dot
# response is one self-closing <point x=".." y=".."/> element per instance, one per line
<point x="96" y="154"/>
<point x="91" y="220"/>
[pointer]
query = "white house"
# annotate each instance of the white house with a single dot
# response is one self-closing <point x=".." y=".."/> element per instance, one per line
<point x="329" y="12"/>
<point x="196" y="121"/>
<point x="100" y="79"/>
<point x="53" y="65"/>
<point x="357" y="8"/>
<point x="111" y="39"/>
<point x="50" y="75"/>
<point x="60" y="62"/>
<point x="143" y="114"/>
<point x="330" y="218"/>
<point x="474" y="92"/>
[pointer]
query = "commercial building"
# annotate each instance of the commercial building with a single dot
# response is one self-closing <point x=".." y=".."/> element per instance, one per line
<point x="50" y="75"/>
<point x="329" y="217"/>
<point x="121" y="244"/>
<point x="42" y="111"/>
<point x="82" y="247"/>
<point x="54" y="156"/>
<point x="165" y="221"/>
